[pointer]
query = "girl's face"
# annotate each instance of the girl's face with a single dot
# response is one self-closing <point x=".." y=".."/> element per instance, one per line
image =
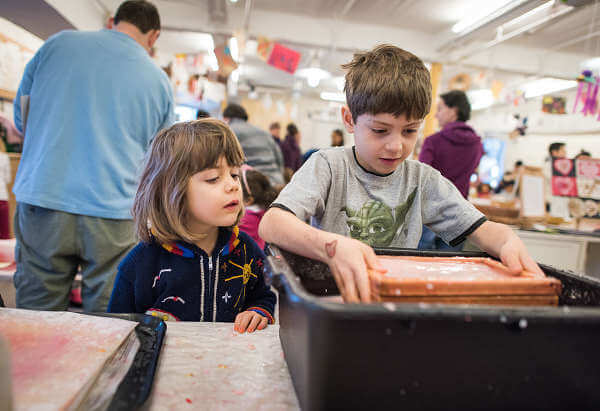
<point x="214" y="197"/>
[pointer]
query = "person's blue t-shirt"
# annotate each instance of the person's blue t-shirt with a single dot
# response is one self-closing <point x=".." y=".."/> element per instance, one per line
<point x="96" y="101"/>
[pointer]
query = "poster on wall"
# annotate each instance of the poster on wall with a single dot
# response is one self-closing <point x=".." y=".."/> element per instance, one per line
<point x="554" y="105"/>
<point x="579" y="179"/>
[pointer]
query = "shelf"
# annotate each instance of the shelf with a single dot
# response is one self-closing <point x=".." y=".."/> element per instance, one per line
<point x="7" y="94"/>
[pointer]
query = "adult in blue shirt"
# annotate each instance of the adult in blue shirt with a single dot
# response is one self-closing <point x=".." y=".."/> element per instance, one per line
<point x="96" y="99"/>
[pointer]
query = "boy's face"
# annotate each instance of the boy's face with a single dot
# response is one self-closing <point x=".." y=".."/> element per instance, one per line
<point x="382" y="140"/>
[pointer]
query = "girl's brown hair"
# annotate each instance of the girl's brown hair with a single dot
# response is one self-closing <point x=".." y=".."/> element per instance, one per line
<point x="176" y="154"/>
<point x="256" y="185"/>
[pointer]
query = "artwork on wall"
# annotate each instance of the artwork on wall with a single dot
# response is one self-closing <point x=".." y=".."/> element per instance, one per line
<point x="554" y="105"/>
<point x="579" y="179"/>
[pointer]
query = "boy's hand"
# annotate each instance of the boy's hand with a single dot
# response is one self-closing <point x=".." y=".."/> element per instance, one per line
<point x="348" y="261"/>
<point x="501" y="241"/>
<point x="249" y="320"/>
<point x="514" y="255"/>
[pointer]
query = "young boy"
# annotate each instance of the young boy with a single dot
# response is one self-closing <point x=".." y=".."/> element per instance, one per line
<point x="370" y="195"/>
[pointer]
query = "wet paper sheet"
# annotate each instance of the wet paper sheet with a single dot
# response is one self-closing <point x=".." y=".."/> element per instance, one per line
<point x="209" y="366"/>
<point x="66" y="361"/>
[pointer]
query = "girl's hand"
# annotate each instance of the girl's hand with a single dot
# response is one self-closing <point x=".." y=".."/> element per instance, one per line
<point x="249" y="320"/>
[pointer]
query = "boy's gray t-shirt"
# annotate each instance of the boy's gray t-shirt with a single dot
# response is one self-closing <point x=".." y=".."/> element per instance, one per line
<point x="382" y="211"/>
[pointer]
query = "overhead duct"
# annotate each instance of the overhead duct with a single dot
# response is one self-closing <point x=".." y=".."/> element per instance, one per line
<point x="509" y="12"/>
<point x="217" y="11"/>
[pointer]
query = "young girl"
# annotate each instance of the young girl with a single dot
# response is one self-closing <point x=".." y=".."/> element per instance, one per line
<point x="258" y="196"/>
<point x="192" y="263"/>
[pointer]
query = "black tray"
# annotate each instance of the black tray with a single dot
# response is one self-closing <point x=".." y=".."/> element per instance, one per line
<point x="430" y="356"/>
<point x="137" y="384"/>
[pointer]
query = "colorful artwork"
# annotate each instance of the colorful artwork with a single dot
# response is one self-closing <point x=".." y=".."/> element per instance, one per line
<point x="284" y="58"/>
<point x="554" y="105"/>
<point x="226" y="62"/>
<point x="579" y="179"/>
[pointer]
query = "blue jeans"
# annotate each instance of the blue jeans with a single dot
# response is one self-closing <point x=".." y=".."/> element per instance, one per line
<point x="430" y="241"/>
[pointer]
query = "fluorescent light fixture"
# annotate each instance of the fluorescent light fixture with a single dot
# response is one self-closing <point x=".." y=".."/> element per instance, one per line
<point x="233" y="49"/>
<point x="546" y="85"/>
<point x="329" y="96"/>
<point x="530" y="13"/>
<point x="485" y="13"/>
<point x="480" y="99"/>
<point x="313" y="75"/>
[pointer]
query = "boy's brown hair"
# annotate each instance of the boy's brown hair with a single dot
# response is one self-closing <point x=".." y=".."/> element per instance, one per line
<point x="388" y="79"/>
<point x="176" y="154"/>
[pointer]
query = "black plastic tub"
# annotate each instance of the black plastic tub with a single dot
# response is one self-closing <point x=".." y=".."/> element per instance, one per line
<point x="135" y="388"/>
<point x="430" y="356"/>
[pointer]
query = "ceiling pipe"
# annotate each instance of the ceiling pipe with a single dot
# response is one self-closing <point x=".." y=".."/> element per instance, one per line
<point x="518" y="10"/>
<point x="504" y="37"/>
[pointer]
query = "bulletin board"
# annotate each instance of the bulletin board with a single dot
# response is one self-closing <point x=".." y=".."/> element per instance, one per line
<point x="580" y="180"/>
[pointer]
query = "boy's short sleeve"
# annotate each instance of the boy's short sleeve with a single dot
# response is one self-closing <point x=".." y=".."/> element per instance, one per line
<point x="306" y="194"/>
<point x="446" y="212"/>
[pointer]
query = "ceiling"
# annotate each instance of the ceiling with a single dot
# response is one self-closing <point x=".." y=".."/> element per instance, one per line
<point x="336" y="28"/>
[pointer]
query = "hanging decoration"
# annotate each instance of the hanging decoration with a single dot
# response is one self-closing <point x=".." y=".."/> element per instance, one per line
<point x="587" y="93"/>
<point x="226" y="62"/>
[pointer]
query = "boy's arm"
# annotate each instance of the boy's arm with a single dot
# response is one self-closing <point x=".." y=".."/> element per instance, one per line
<point x="500" y="241"/>
<point x="348" y="259"/>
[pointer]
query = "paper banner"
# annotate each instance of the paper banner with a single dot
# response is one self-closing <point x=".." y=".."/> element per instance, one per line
<point x="225" y="60"/>
<point x="284" y="58"/>
<point x="264" y="48"/>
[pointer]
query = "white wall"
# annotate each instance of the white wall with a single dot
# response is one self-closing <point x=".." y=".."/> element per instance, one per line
<point x="574" y="129"/>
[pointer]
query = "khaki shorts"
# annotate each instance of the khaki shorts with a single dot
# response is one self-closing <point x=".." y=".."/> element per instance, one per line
<point x="53" y="245"/>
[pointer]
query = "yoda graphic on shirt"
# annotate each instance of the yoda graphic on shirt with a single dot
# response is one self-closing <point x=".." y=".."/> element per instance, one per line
<point x="375" y="223"/>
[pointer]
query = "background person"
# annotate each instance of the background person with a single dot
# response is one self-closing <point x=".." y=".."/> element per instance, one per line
<point x="96" y="101"/>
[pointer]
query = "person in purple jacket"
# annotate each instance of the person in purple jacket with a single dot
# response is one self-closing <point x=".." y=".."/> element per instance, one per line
<point x="454" y="151"/>
<point x="292" y="157"/>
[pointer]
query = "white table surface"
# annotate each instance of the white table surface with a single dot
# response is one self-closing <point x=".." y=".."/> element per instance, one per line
<point x="209" y="366"/>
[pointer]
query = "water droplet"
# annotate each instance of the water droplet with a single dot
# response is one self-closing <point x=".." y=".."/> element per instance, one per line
<point x="402" y="391"/>
<point x="326" y="291"/>
<point x="429" y="286"/>
<point x="389" y="306"/>
<point x="522" y="323"/>
<point x="388" y="331"/>
<point x="398" y="292"/>
<point x="503" y="319"/>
